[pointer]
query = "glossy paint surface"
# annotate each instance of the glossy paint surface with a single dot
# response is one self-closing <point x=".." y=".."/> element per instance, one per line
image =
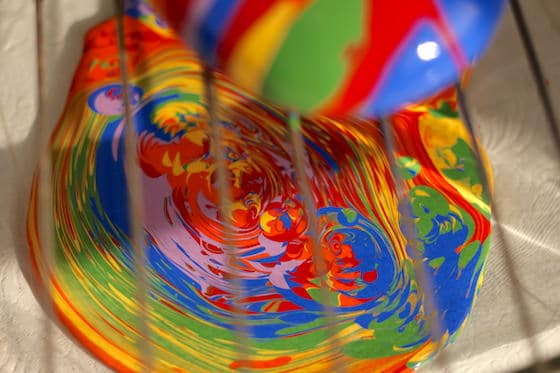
<point x="356" y="57"/>
<point x="380" y="321"/>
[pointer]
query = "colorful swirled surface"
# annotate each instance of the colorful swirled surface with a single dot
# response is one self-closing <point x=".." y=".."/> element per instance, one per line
<point x="380" y="321"/>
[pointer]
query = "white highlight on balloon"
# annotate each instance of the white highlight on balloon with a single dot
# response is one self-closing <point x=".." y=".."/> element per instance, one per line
<point x="428" y="51"/>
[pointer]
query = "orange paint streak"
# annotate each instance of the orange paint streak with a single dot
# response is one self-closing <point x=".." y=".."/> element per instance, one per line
<point x="261" y="364"/>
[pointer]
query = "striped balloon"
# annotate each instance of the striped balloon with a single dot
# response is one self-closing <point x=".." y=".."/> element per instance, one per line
<point x="358" y="57"/>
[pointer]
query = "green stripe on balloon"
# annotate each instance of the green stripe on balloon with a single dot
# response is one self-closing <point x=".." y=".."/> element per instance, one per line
<point x="323" y="35"/>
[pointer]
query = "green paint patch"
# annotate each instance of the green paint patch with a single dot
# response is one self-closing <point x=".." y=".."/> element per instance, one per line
<point x="316" y="324"/>
<point x="327" y="298"/>
<point x="468" y="253"/>
<point x="444" y="111"/>
<point x="427" y="203"/>
<point x="483" y="254"/>
<point x="408" y="167"/>
<point x="424" y="226"/>
<point x="351" y="215"/>
<point x="437" y="262"/>
<point x="387" y="340"/>
<point x="465" y="170"/>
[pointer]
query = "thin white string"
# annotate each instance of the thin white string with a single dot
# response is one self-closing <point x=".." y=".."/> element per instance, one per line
<point x="135" y="206"/>
<point x="302" y="164"/>
<point x="218" y="151"/>
<point x="426" y="288"/>
<point x="45" y="212"/>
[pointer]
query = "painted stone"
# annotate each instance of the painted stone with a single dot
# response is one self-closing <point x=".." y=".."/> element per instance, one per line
<point x="380" y="314"/>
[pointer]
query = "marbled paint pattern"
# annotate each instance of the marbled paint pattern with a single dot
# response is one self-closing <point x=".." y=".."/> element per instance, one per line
<point x="380" y="316"/>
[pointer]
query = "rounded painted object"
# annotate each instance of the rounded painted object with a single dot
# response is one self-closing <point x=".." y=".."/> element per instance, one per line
<point x="360" y="57"/>
<point x="379" y="323"/>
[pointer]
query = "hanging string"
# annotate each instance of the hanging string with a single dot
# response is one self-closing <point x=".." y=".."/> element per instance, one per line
<point x="301" y="162"/>
<point x="231" y="253"/>
<point x="45" y="192"/>
<point x="521" y="301"/>
<point x="537" y="72"/>
<point x="426" y="287"/>
<point x="135" y="205"/>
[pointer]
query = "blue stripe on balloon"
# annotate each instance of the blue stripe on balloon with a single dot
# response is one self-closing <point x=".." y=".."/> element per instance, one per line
<point x="474" y="22"/>
<point x="212" y="27"/>
<point x="407" y="66"/>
